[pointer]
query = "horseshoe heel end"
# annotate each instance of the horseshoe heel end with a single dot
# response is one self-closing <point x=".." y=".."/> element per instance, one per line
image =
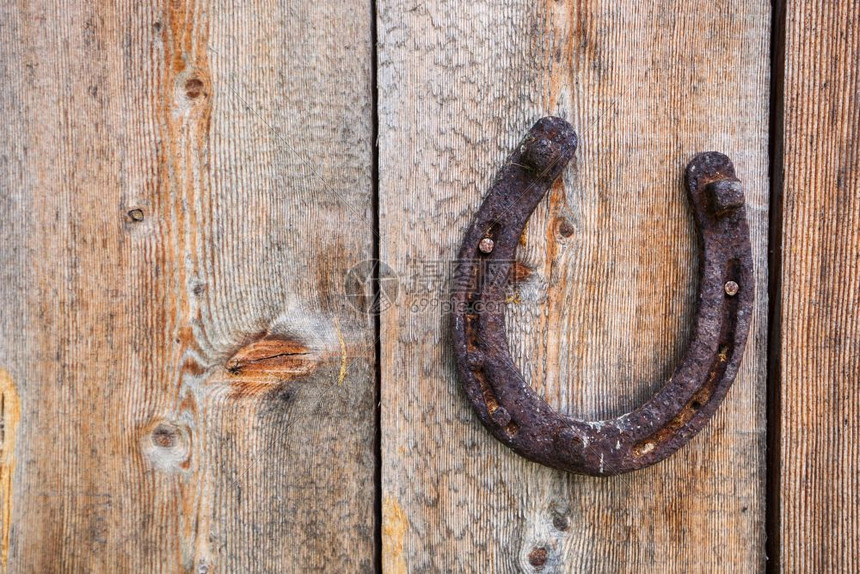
<point x="504" y="401"/>
<point x="548" y="147"/>
<point x="713" y="186"/>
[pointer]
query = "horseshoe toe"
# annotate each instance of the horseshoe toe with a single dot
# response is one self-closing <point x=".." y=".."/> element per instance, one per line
<point x="508" y="406"/>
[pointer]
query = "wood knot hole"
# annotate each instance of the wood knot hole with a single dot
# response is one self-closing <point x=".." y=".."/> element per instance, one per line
<point x="565" y="229"/>
<point x="164" y="436"/>
<point x="194" y="88"/>
<point x="135" y="215"/>
<point x="538" y="557"/>
<point x="167" y="446"/>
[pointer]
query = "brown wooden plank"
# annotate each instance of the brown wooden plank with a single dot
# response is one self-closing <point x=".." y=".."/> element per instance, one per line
<point x="604" y="315"/>
<point x="819" y="371"/>
<point x="184" y="186"/>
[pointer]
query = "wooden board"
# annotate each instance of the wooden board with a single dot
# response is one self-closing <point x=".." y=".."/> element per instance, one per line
<point x="184" y="386"/>
<point x="602" y="318"/>
<point x="818" y="507"/>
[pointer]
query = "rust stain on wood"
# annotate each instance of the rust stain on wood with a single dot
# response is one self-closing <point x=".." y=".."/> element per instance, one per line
<point x="520" y="272"/>
<point x="394" y="527"/>
<point x="10" y="416"/>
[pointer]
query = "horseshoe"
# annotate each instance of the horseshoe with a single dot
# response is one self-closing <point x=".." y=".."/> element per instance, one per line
<point x="510" y="408"/>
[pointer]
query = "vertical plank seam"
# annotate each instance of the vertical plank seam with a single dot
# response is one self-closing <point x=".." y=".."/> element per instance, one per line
<point x="775" y="236"/>
<point x="377" y="293"/>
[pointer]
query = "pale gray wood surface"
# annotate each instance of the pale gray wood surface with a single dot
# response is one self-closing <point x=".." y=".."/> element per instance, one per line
<point x="184" y="186"/>
<point x="603" y="316"/>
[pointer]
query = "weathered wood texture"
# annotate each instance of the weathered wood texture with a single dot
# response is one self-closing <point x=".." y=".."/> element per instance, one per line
<point x="819" y="322"/>
<point x="184" y="186"/>
<point x="604" y="313"/>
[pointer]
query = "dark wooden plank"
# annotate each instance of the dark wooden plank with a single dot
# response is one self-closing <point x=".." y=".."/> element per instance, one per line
<point x="819" y="369"/>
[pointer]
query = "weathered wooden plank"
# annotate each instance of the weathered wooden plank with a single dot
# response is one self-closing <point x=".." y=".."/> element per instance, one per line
<point x="604" y="312"/>
<point x="819" y="371"/>
<point x="184" y="186"/>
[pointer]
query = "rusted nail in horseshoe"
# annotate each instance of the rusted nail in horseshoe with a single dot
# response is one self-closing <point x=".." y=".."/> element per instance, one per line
<point x="506" y="404"/>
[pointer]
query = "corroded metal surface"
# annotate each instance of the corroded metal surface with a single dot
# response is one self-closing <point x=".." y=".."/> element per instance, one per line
<point x="509" y="407"/>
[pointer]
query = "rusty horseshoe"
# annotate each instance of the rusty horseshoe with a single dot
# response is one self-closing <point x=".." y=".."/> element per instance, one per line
<point x="510" y="408"/>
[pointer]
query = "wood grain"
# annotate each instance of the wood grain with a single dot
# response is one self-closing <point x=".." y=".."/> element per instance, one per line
<point x="602" y="317"/>
<point x="184" y="186"/>
<point x="819" y="370"/>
